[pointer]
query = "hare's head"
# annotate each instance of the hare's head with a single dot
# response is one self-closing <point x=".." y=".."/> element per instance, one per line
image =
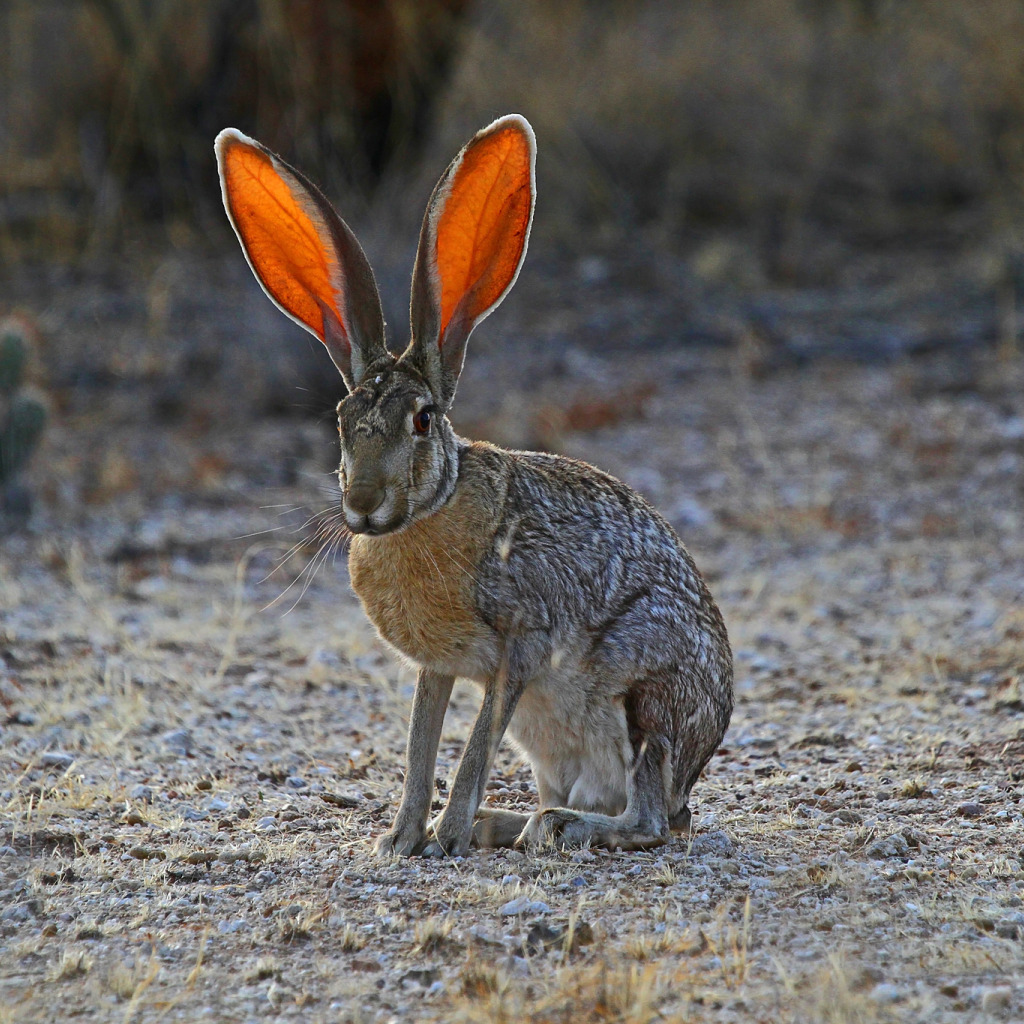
<point x="399" y="454"/>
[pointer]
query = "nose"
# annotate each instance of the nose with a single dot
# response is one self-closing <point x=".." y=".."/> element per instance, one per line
<point x="365" y="496"/>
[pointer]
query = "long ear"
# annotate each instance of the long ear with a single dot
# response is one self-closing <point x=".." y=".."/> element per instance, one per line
<point x="302" y="253"/>
<point x="472" y="244"/>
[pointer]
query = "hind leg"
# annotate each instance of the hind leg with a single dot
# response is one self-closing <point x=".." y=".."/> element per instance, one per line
<point x="643" y="824"/>
<point x="674" y="723"/>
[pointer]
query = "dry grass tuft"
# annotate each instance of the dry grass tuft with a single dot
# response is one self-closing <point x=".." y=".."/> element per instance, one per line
<point x="73" y="963"/>
<point x="480" y="980"/>
<point x="837" y="994"/>
<point x="265" y="967"/>
<point x="913" y="788"/>
<point x="591" y="994"/>
<point x="351" y="939"/>
<point x="433" y="934"/>
<point x="303" y="924"/>
<point x="129" y="982"/>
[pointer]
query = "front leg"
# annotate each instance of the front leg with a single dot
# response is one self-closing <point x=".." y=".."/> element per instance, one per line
<point x="408" y="834"/>
<point x="453" y="831"/>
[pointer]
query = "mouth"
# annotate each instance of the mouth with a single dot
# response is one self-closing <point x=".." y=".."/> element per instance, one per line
<point x="364" y="526"/>
<point x="369" y="530"/>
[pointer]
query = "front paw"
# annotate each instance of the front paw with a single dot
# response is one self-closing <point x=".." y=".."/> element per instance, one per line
<point x="400" y="842"/>
<point x="447" y="841"/>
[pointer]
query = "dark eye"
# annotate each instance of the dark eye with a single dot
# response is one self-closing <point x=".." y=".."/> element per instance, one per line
<point x="421" y="421"/>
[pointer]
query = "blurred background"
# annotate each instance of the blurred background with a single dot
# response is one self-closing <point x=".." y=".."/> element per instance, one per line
<point x="789" y="180"/>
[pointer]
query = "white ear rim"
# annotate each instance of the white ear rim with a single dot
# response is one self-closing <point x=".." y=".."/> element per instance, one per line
<point x="531" y="140"/>
<point x="220" y="145"/>
<point x="441" y="198"/>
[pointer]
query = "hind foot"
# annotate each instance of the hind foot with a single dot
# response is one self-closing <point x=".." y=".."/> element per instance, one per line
<point x="681" y="821"/>
<point x="495" y="827"/>
<point x="563" y="828"/>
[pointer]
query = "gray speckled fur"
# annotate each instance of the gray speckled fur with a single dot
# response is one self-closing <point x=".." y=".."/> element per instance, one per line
<point x="596" y="581"/>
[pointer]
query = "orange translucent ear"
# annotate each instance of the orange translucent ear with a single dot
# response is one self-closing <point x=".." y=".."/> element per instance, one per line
<point x="302" y="253"/>
<point x="472" y="244"/>
<point x="484" y="224"/>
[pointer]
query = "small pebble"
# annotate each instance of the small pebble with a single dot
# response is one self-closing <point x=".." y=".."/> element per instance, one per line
<point x="887" y="993"/>
<point x="60" y="759"/>
<point x="995" y="1000"/>
<point x="524" y="905"/>
<point x="268" y="824"/>
<point x="229" y="927"/>
<point x="178" y="741"/>
<point x="889" y="848"/>
<point x="147" y="853"/>
<point x="716" y="843"/>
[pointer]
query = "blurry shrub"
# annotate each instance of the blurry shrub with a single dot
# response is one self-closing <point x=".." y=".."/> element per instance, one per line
<point x="873" y="118"/>
<point x="877" y="117"/>
<point x="109" y="107"/>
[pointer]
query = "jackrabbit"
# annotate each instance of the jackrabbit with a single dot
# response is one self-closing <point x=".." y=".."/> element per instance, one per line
<point x="557" y="588"/>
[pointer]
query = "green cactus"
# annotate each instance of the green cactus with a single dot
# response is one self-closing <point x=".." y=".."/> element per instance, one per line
<point x="22" y="417"/>
<point x="13" y="358"/>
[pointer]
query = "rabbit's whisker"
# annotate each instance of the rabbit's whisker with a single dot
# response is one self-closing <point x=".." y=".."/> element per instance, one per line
<point x="425" y="549"/>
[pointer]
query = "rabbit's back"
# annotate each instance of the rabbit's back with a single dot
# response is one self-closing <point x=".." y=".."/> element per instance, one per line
<point x="585" y="563"/>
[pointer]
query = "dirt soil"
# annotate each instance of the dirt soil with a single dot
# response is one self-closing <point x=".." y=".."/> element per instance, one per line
<point x="201" y="736"/>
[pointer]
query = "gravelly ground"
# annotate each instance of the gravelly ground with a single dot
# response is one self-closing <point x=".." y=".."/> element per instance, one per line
<point x="190" y="781"/>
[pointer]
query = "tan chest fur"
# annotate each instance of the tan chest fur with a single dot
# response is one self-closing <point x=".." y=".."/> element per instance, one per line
<point x="418" y="586"/>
